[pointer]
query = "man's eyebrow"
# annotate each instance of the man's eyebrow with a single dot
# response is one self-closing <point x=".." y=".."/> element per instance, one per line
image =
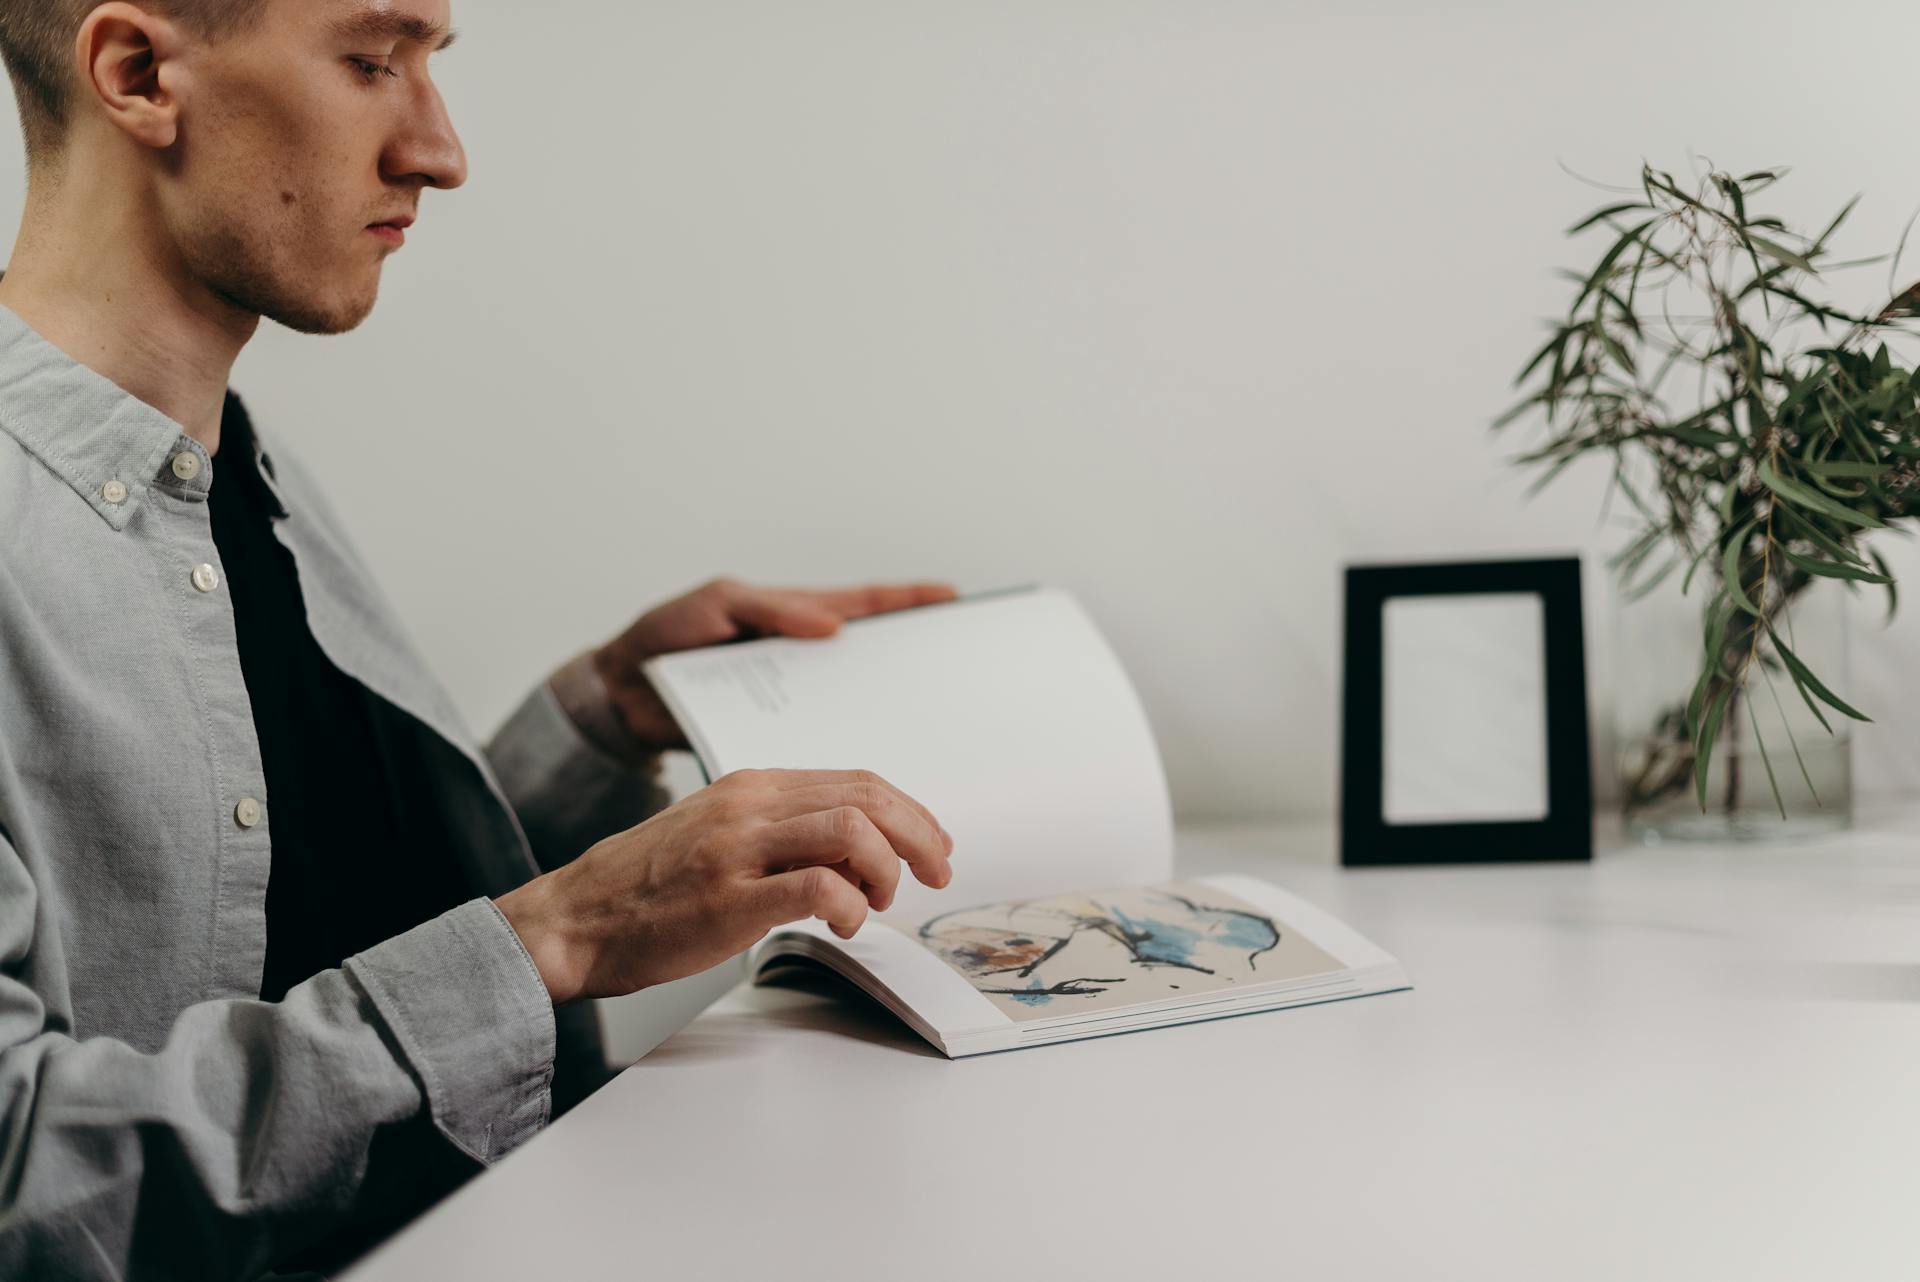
<point x="376" y="24"/>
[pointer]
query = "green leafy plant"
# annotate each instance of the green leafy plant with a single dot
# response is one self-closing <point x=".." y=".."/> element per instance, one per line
<point x="1758" y="430"/>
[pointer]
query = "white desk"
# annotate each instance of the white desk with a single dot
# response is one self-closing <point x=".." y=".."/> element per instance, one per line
<point x="1676" y="1064"/>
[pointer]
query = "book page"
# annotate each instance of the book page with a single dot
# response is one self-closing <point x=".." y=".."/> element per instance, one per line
<point x="1008" y="716"/>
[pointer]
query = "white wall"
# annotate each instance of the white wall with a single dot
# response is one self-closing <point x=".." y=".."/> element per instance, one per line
<point x="1180" y="303"/>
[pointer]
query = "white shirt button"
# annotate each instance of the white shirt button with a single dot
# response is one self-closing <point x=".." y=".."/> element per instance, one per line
<point x="204" y="578"/>
<point x="114" y="492"/>
<point x="246" y="812"/>
<point x="186" y="465"/>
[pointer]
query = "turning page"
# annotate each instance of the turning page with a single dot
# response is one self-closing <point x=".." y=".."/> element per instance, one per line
<point x="1007" y="715"/>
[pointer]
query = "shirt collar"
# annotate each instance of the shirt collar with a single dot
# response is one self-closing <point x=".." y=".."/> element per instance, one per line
<point x="104" y="442"/>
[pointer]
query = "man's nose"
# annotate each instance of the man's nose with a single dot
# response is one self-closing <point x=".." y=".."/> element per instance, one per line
<point x="427" y="149"/>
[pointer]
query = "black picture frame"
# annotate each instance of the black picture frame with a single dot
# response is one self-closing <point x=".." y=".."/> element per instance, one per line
<point x="1566" y="833"/>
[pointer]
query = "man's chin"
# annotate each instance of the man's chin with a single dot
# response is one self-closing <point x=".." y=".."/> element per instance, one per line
<point x="334" y="312"/>
<point x="317" y="316"/>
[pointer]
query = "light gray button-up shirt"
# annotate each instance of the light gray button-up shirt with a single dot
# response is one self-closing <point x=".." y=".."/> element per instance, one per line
<point x="156" y="1119"/>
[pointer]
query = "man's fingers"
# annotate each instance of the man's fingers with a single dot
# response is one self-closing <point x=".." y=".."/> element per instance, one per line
<point x="878" y="598"/>
<point x="841" y="836"/>
<point x="913" y="836"/>
<point x="818" y="612"/>
<point x="795" y="780"/>
<point x="811" y="892"/>
<point x="787" y="614"/>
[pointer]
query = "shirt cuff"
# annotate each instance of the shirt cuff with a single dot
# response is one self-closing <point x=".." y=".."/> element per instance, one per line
<point x="582" y="694"/>
<point x="473" y="1020"/>
<point x="567" y="792"/>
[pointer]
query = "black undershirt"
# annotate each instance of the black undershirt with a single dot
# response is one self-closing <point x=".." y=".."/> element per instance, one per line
<point x="359" y="851"/>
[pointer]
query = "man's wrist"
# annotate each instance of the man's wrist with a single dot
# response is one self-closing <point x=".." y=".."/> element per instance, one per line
<point x="584" y="696"/>
<point x="533" y="912"/>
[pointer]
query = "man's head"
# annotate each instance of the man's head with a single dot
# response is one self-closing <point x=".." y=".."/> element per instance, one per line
<point x="257" y="144"/>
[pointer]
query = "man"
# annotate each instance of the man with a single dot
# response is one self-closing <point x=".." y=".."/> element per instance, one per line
<point x="277" y="959"/>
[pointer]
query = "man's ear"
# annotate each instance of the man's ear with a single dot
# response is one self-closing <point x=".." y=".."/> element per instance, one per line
<point x="127" y="67"/>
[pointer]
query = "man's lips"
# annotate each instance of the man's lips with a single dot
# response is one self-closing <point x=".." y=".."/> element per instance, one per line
<point x="392" y="230"/>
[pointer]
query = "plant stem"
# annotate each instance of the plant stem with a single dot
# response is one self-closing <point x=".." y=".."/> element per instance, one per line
<point x="1753" y="650"/>
<point x="1731" y="752"/>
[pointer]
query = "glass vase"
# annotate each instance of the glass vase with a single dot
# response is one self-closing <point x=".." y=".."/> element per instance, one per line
<point x="1779" y="770"/>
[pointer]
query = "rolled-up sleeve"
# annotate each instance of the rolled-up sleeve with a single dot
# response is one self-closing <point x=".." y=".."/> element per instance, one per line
<point x="567" y="791"/>
<point x="247" y="1134"/>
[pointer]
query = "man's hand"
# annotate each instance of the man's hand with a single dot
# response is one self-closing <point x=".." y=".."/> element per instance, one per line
<point x="707" y="877"/>
<point x="726" y="610"/>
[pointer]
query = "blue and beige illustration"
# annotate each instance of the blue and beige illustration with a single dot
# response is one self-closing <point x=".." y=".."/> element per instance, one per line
<point x="1041" y="958"/>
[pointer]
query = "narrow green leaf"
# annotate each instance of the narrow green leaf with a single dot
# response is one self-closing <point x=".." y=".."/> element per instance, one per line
<point x="1633" y="283"/>
<point x="1515" y="412"/>
<point x="1645" y="588"/>
<point x="1773" y="249"/>
<point x="1547" y="478"/>
<point x="1836" y="570"/>
<point x="1808" y="681"/>
<point x="1607" y="260"/>
<point x="1893" y="589"/>
<point x="1819" y="311"/>
<point x="1599" y="214"/>
<point x="1719" y="610"/>
<point x="1768" y="279"/>
<point x="1765" y="760"/>
<point x="1695" y="702"/>
<point x="1660" y="178"/>
<point x="1698" y="559"/>
<point x="1552" y="345"/>
<point x="1753" y="255"/>
<point x="1635" y="551"/>
<point x="1718" y="617"/>
<point x="1819" y="537"/>
<point x="1838" y="491"/>
<point x="1620" y="355"/>
<point x="1703" y="437"/>
<point x="1820" y="242"/>
<point x="1624" y="309"/>
<point x="1793" y="740"/>
<point x="1846" y="469"/>
<point x="1730" y="570"/>
<point x="1793" y="492"/>
<point x="1812" y="707"/>
<point x="1719" y="409"/>
<point x="1703" y="747"/>
<point x="1800" y="391"/>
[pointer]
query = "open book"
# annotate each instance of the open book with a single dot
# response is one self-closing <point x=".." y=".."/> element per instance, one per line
<point x="1009" y="717"/>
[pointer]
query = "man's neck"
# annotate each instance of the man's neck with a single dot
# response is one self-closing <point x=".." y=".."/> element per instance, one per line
<point x="90" y="276"/>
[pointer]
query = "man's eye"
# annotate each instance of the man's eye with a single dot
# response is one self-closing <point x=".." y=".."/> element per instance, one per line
<point x="369" y="70"/>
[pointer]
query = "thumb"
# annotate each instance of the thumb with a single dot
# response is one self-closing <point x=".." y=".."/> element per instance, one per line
<point x="774" y="616"/>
